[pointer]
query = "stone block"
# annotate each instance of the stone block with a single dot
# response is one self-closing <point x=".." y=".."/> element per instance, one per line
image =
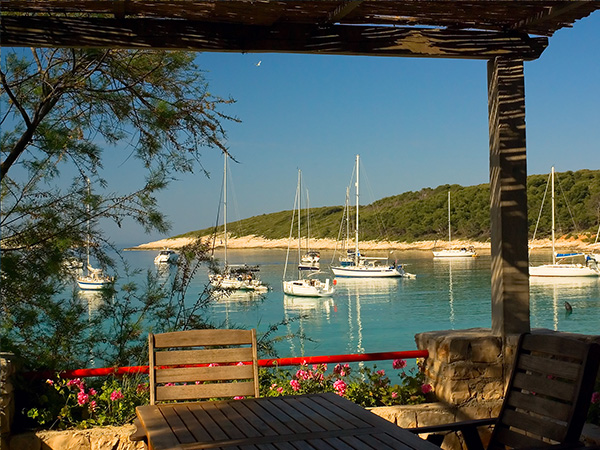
<point x="486" y="350"/>
<point x="68" y="440"/>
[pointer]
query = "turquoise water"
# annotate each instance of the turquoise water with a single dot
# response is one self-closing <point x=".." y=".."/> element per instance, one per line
<point x="384" y="315"/>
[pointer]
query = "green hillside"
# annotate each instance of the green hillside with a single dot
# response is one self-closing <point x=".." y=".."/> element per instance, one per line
<point x="423" y="215"/>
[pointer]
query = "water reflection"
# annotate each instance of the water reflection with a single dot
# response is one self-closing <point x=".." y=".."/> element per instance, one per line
<point x="93" y="300"/>
<point x="367" y="286"/>
<point x="567" y="294"/>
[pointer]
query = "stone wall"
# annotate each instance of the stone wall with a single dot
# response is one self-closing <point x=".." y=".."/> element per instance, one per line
<point x="106" y="438"/>
<point x="7" y="402"/>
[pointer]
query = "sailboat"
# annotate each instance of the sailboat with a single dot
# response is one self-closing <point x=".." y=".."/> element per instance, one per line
<point x="558" y="268"/>
<point x="239" y="277"/>
<point x="353" y="264"/>
<point x="91" y="278"/>
<point x="311" y="260"/>
<point x="453" y="252"/>
<point x="309" y="286"/>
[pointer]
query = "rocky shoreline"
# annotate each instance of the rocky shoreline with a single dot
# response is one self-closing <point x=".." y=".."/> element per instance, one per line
<point x="257" y="242"/>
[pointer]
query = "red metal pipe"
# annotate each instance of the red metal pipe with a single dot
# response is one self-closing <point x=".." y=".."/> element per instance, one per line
<point x="323" y="359"/>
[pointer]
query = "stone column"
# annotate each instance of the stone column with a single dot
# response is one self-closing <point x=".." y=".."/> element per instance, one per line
<point x="508" y="188"/>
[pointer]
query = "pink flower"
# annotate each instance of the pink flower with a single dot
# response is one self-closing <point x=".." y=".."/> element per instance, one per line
<point x="143" y="387"/>
<point x="82" y="398"/>
<point x="273" y="386"/>
<point x="381" y="373"/>
<point x="239" y="397"/>
<point x="116" y="395"/>
<point x="342" y="370"/>
<point x="399" y="364"/>
<point x="295" y="385"/>
<point x="280" y="390"/>
<point x="394" y="394"/>
<point x="426" y="388"/>
<point x="50" y="382"/>
<point x="76" y="382"/>
<point x="92" y="391"/>
<point x="340" y="387"/>
<point x="240" y="363"/>
<point x="596" y="397"/>
<point x="93" y="405"/>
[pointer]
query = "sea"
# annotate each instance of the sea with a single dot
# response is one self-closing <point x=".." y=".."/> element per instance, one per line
<point x="381" y="315"/>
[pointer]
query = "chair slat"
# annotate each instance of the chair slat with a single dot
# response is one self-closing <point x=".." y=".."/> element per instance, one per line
<point x="536" y="425"/>
<point x="194" y="338"/>
<point x="203" y="391"/>
<point x="548" y="366"/>
<point x="191" y="374"/>
<point x="544" y="386"/>
<point x="216" y="356"/>
<point x="555" y="345"/>
<point x="513" y="439"/>
<point x="539" y="405"/>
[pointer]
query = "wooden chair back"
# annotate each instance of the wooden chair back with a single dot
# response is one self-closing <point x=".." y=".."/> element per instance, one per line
<point x="549" y="392"/>
<point x="203" y="364"/>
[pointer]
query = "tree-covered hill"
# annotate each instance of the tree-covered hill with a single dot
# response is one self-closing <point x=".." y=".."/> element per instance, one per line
<point x="423" y="215"/>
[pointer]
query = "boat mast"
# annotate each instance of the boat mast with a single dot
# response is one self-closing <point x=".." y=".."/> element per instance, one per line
<point x="449" y="226"/>
<point x="225" y="208"/>
<point x="357" y="201"/>
<point x="299" y="216"/>
<point x="553" y="224"/>
<point x="89" y="192"/>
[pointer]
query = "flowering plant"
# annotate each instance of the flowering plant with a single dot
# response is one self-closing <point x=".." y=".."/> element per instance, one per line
<point x="72" y="403"/>
<point x="370" y="387"/>
<point x="594" y="411"/>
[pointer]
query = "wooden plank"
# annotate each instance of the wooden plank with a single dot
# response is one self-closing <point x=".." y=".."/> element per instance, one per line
<point x="335" y="39"/>
<point x="212" y="356"/>
<point x="555" y="345"/>
<point x="190" y="374"/>
<point x="215" y="431"/>
<point x="261" y="409"/>
<point x="541" y="385"/>
<point x="536" y="425"/>
<point x="200" y="391"/>
<point x="195" y="338"/>
<point x="177" y="426"/>
<point x="300" y="404"/>
<point x="289" y="406"/>
<point x="257" y="422"/>
<point x="195" y="426"/>
<point x="556" y="368"/>
<point x="157" y="428"/>
<point x="539" y="405"/>
<point x="517" y="440"/>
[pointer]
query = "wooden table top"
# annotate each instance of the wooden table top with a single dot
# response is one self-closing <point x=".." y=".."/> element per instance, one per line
<point x="322" y="421"/>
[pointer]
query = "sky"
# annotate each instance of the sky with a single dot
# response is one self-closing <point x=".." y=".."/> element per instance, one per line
<point x="415" y="122"/>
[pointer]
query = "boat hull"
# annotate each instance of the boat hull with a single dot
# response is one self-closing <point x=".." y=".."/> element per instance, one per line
<point x="563" y="270"/>
<point x="454" y="254"/>
<point x="308" y="288"/>
<point x="92" y="285"/>
<point x="369" y="272"/>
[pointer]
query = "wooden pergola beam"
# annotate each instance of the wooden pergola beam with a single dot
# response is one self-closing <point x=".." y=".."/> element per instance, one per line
<point x="146" y="33"/>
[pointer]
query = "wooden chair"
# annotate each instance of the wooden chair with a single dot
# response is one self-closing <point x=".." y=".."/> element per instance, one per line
<point x="200" y="365"/>
<point x="547" y="398"/>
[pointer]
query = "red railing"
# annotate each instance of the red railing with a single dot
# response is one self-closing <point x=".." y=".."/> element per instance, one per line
<point x="323" y="359"/>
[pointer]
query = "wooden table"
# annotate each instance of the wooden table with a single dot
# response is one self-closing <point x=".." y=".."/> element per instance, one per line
<point x="321" y="421"/>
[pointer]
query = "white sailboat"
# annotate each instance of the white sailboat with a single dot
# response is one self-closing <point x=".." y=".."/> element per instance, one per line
<point x="558" y="268"/>
<point x="309" y="286"/>
<point x="234" y="277"/>
<point x="463" y="252"/>
<point x="91" y="278"/>
<point x="353" y="264"/>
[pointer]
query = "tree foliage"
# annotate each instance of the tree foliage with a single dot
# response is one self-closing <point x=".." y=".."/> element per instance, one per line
<point x="66" y="115"/>
<point x="423" y="214"/>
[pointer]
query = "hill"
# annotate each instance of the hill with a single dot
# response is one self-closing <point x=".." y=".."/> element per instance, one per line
<point x="423" y="215"/>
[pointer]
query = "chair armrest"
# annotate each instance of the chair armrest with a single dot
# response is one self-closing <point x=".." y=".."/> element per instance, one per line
<point x="468" y="429"/>
<point x="456" y="426"/>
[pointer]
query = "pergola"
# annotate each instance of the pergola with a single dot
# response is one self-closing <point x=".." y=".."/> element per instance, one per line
<point x="505" y="33"/>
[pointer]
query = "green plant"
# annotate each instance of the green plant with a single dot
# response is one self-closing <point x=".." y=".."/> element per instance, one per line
<point x="73" y="404"/>
<point x="370" y="387"/>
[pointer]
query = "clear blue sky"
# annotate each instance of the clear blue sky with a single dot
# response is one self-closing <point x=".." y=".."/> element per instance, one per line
<point x="415" y="122"/>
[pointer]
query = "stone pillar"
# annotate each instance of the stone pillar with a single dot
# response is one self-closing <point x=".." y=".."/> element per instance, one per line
<point x="7" y="401"/>
<point x="508" y="197"/>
